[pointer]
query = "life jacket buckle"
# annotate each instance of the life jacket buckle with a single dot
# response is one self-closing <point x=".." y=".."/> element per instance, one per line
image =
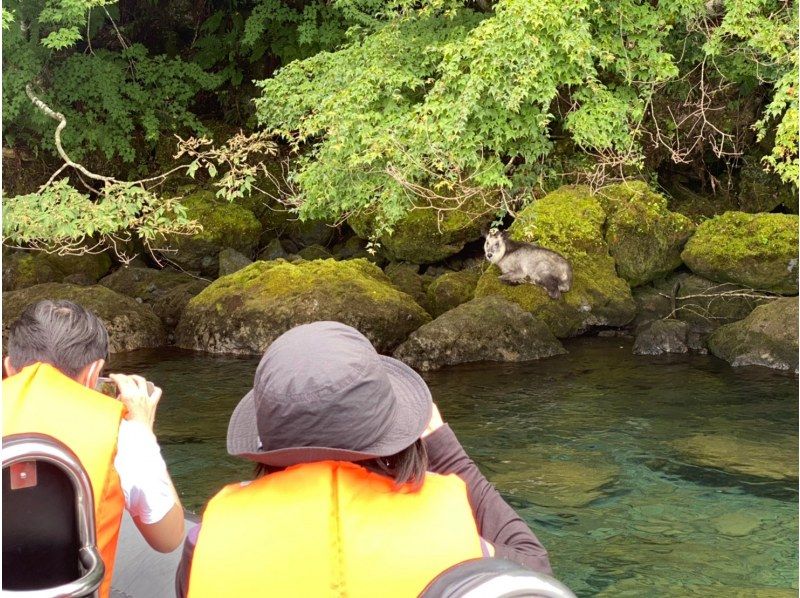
<point x="23" y="475"/>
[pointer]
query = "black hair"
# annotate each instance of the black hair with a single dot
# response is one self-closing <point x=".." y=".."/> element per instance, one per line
<point x="60" y="333"/>
<point x="405" y="467"/>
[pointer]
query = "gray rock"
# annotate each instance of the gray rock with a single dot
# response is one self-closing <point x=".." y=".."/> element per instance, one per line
<point x="767" y="337"/>
<point x="130" y="325"/>
<point x="703" y="304"/>
<point x="485" y="329"/>
<point x="273" y="251"/>
<point x="662" y="336"/>
<point x="166" y="291"/>
<point x="231" y="261"/>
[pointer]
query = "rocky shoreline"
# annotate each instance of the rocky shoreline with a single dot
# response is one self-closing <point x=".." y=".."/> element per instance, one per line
<point x="726" y="285"/>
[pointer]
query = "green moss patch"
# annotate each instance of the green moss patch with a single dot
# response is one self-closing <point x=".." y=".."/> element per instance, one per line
<point x="426" y="235"/>
<point x="570" y="221"/>
<point x="643" y="236"/>
<point x="224" y="225"/>
<point x="245" y="311"/>
<point x="754" y="250"/>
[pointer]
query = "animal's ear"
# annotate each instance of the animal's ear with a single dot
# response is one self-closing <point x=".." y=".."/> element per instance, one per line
<point x="485" y="230"/>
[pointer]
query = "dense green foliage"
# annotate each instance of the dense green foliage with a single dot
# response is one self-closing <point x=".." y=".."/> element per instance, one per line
<point x="107" y="96"/>
<point x="400" y="104"/>
<point x="445" y="97"/>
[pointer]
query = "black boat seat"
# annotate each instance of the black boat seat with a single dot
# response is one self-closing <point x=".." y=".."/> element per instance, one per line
<point x="49" y="537"/>
<point x="494" y="578"/>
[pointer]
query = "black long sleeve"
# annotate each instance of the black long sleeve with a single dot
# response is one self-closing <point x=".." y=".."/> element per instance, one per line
<point x="497" y="522"/>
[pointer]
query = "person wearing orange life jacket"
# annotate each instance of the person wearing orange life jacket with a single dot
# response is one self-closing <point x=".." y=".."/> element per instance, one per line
<point x="343" y="504"/>
<point x="56" y="351"/>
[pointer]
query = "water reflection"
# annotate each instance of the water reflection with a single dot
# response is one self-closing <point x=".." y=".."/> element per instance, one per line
<point x="657" y="476"/>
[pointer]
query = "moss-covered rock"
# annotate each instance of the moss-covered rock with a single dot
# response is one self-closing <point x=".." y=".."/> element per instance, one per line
<point x="703" y="304"/>
<point x="225" y="224"/>
<point x="767" y="337"/>
<point x="569" y="221"/>
<point x="450" y="290"/>
<point x="644" y="237"/>
<point x="166" y="291"/>
<point x="422" y="237"/>
<point x="23" y="269"/>
<point x="130" y="324"/>
<point x="407" y="279"/>
<point x="486" y="329"/>
<point x="244" y="312"/>
<point x="754" y="250"/>
<point x="740" y="454"/>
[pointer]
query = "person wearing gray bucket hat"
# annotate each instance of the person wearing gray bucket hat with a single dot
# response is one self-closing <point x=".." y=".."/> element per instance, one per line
<point x="346" y="501"/>
<point x="351" y="404"/>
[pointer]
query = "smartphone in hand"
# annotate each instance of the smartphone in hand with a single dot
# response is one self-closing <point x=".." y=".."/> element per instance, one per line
<point x="108" y="387"/>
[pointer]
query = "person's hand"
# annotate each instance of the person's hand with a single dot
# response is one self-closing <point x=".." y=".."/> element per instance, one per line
<point x="435" y="423"/>
<point x="140" y="404"/>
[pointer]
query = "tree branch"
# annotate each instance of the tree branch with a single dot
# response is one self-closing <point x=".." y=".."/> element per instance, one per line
<point x="62" y="122"/>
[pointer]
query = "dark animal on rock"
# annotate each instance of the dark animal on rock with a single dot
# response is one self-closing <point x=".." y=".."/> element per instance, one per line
<point x="525" y="262"/>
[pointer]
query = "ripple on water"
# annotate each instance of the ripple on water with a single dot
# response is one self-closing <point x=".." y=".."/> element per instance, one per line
<point x="643" y="476"/>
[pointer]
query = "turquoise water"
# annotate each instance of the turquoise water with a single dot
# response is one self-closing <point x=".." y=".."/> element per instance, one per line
<point x="643" y="476"/>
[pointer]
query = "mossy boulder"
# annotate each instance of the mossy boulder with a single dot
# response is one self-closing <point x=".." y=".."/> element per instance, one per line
<point x="166" y="291"/>
<point x="703" y="304"/>
<point x="570" y="221"/>
<point x="422" y="236"/>
<point x="225" y="224"/>
<point x="486" y="329"/>
<point x="244" y="312"/>
<point x="767" y="337"/>
<point x="130" y="324"/>
<point x="741" y="454"/>
<point x="451" y="290"/>
<point x="644" y="237"/>
<point x="407" y="279"/>
<point x="23" y="269"/>
<point x="754" y="250"/>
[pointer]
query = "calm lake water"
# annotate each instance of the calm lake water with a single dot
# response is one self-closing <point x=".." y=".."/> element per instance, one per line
<point x="643" y="476"/>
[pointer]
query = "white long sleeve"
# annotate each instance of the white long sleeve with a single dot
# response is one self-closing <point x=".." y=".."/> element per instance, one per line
<point x="142" y="473"/>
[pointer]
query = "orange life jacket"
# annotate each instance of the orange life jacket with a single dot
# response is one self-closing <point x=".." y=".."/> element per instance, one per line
<point x="331" y="529"/>
<point x="41" y="399"/>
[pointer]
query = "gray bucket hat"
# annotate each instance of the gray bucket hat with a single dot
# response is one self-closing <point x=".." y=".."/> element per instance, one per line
<point x="322" y="392"/>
